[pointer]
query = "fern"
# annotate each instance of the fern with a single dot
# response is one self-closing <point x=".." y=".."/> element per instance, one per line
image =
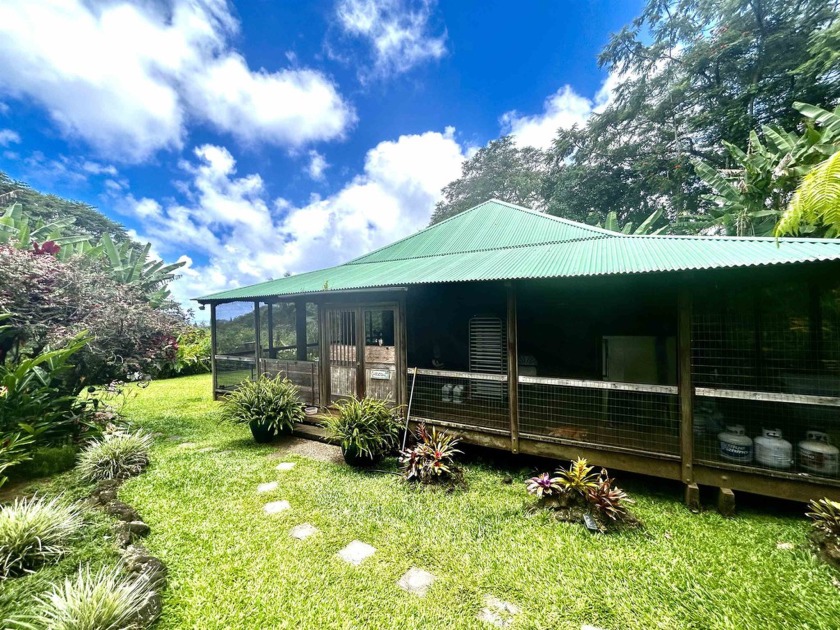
<point x="816" y="200"/>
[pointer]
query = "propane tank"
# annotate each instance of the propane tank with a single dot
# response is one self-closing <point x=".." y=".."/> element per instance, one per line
<point x="772" y="450"/>
<point x="458" y="394"/>
<point x="816" y="453"/>
<point x="735" y="445"/>
<point x="446" y="393"/>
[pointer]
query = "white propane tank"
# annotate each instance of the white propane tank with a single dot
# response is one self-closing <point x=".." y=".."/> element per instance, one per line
<point x="446" y="393"/>
<point x="735" y="445"/>
<point x="771" y="450"/>
<point x="817" y="454"/>
<point x="458" y="394"/>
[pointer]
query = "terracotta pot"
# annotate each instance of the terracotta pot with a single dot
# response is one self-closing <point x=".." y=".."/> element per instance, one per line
<point x="263" y="432"/>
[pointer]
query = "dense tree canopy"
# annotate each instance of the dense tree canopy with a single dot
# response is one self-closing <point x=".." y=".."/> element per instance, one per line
<point x="691" y="74"/>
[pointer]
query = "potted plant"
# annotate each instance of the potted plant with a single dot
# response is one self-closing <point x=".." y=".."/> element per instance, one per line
<point x="268" y="405"/>
<point x="365" y="429"/>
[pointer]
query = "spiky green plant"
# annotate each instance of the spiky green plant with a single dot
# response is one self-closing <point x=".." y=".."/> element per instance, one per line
<point x="34" y="531"/>
<point x="825" y="516"/>
<point x="105" y="600"/>
<point x="432" y="459"/>
<point x="607" y="499"/>
<point x="577" y="478"/>
<point x="369" y="426"/>
<point x="271" y="401"/>
<point x="115" y="456"/>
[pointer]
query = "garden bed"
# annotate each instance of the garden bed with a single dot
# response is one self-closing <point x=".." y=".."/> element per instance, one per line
<point x="232" y="565"/>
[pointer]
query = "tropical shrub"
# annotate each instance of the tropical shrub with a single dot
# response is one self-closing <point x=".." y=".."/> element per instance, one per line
<point x="105" y="600"/>
<point x="825" y="517"/>
<point x="192" y="354"/>
<point x="34" y="531"/>
<point x="14" y="449"/>
<point x="365" y="429"/>
<point x="578" y="478"/>
<point x="115" y="456"/>
<point x="267" y="405"/>
<point x="544" y="486"/>
<point x="608" y="500"/>
<point x="432" y="459"/>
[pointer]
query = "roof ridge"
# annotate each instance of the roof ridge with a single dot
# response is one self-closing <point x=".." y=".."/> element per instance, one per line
<point x="598" y="232"/>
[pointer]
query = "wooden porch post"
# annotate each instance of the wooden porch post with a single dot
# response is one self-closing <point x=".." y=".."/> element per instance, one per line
<point x="513" y="367"/>
<point x="270" y="321"/>
<point x="686" y="395"/>
<point x="257" y="344"/>
<point x="300" y="329"/>
<point x="214" y="373"/>
<point x="323" y="354"/>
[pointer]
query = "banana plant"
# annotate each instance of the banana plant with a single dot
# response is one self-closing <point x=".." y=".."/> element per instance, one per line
<point x="645" y="227"/>
<point x="750" y="198"/>
<point x="15" y="230"/>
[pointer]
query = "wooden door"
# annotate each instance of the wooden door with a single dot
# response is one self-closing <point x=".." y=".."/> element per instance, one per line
<point x="343" y="352"/>
<point x="380" y="352"/>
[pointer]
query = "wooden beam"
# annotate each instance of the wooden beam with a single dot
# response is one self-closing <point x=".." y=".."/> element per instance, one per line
<point x="766" y="483"/>
<point x="257" y="343"/>
<point x="685" y="384"/>
<point x="300" y="329"/>
<point x="323" y="354"/>
<point x="270" y="323"/>
<point x="513" y="367"/>
<point x="213" y="350"/>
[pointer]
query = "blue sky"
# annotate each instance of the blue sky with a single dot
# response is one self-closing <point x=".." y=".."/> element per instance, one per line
<point x="259" y="138"/>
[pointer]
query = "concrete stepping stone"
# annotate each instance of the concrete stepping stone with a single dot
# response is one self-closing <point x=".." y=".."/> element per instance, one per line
<point x="416" y="581"/>
<point x="302" y="532"/>
<point x="186" y="445"/>
<point x="497" y="612"/>
<point x="586" y="626"/>
<point x="267" y="487"/>
<point x="356" y="552"/>
<point x="284" y="466"/>
<point x="275" y="507"/>
<point x="784" y="546"/>
<point x="206" y="449"/>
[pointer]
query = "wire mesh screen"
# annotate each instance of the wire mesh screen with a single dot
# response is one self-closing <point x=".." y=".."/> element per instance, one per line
<point x="766" y="365"/>
<point x="601" y="413"/>
<point x="304" y="374"/>
<point x="770" y="435"/>
<point x="461" y="398"/>
<point x="235" y="344"/>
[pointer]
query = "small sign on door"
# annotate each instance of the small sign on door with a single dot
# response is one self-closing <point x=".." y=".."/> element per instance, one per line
<point x="380" y="375"/>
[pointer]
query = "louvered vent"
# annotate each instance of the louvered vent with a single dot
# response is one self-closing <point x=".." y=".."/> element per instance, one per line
<point x="487" y="354"/>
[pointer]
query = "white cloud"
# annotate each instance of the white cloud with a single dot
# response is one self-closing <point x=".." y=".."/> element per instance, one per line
<point x="397" y="31"/>
<point x="562" y="110"/>
<point x="8" y="136"/>
<point x="75" y="170"/>
<point x="135" y="73"/>
<point x="246" y="238"/>
<point x="317" y="165"/>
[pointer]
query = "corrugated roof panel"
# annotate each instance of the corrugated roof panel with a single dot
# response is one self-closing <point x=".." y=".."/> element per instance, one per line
<point x="498" y="241"/>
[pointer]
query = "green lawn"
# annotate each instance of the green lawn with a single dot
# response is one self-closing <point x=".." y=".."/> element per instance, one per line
<point x="231" y="566"/>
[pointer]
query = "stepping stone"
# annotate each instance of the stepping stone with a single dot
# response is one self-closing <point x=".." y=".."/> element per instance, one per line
<point x="267" y="487"/>
<point x="416" y="581"/>
<point x="586" y="626"/>
<point x="497" y="613"/>
<point x="186" y="445"/>
<point x="304" y="531"/>
<point x="206" y="449"/>
<point x="284" y="466"/>
<point x="356" y="552"/>
<point x="784" y="546"/>
<point x="275" y="507"/>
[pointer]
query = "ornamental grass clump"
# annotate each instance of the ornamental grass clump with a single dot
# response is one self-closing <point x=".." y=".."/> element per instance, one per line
<point x="106" y="599"/>
<point x="35" y="531"/>
<point x="366" y="429"/>
<point x="825" y="519"/>
<point x="268" y="405"/>
<point x="115" y="456"/>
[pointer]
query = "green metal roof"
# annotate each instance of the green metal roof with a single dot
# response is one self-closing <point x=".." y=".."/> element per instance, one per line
<point x="501" y="241"/>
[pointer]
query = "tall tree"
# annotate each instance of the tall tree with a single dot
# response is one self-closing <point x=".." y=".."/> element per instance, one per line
<point x="501" y="170"/>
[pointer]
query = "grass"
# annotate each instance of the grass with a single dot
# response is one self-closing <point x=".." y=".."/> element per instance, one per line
<point x="231" y="566"/>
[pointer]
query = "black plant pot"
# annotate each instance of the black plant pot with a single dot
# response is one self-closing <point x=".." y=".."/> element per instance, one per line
<point x="357" y="459"/>
<point x="263" y="432"/>
<point x="285" y="429"/>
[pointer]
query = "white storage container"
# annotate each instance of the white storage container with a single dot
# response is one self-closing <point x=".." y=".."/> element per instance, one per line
<point x="735" y="445"/>
<point x="772" y="450"/>
<point x="817" y="454"/>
